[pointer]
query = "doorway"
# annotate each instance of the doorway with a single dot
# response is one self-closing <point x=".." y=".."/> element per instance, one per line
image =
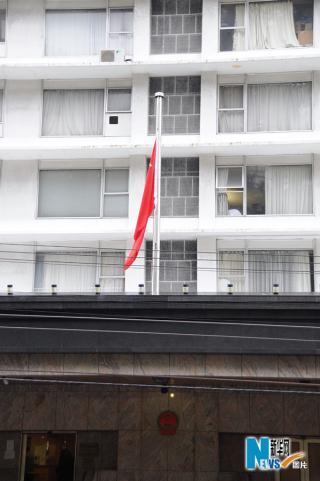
<point x="48" y="457"/>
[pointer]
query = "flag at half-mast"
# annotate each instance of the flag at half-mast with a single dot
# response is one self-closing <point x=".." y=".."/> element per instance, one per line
<point x="146" y="209"/>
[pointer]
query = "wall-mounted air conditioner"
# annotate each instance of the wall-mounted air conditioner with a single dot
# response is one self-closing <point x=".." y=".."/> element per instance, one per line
<point x="117" y="55"/>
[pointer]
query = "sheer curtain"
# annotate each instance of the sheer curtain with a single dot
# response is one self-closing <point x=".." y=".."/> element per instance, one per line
<point x="72" y="272"/>
<point x="272" y="25"/>
<point x="231" y="270"/>
<point x="289" y="269"/>
<point x="75" y="32"/>
<point x="277" y="107"/>
<point x="239" y="33"/>
<point x="112" y="272"/>
<point x="222" y="197"/>
<point x="73" y="112"/>
<point x="289" y="189"/>
<point x="231" y="97"/>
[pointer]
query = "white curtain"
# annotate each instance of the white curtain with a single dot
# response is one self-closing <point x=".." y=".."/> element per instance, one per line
<point x="239" y="33"/>
<point x="272" y="25"/>
<point x="278" y="107"/>
<point x="231" y="270"/>
<point x="71" y="271"/>
<point x="289" y="189"/>
<point x="289" y="269"/>
<point x="112" y="272"/>
<point x="75" y="32"/>
<point x="73" y="112"/>
<point x="231" y="97"/>
<point x="222" y="197"/>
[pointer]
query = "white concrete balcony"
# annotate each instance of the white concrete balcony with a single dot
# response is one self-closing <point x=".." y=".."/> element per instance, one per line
<point x="269" y="143"/>
<point x="302" y="59"/>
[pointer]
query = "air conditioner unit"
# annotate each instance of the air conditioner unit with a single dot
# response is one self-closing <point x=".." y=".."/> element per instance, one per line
<point x="107" y="56"/>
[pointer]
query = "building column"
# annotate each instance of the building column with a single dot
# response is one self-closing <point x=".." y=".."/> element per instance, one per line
<point x="140" y="108"/>
<point x="207" y="265"/>
<point x="316" y="24"/>
<point x="208" y="121"/>
<point x="207" y="198"/>
<point x="316" y="253"/>
<point x="141" y="29"/>
<point x="316" y="101"/>
<point x="210" y="22"/>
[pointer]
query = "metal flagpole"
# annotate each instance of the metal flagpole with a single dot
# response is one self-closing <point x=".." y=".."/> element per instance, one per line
<point x="157" y="191"/>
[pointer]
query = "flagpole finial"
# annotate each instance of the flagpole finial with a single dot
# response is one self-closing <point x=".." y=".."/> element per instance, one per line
<point x="159" y="94"/>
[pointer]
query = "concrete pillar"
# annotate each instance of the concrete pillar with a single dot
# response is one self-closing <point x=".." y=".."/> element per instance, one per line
<point x="141" y="28"/>
<point x="206" y="191"/>
<point x="316" y="252"/>
<point x="23" y="108"/>
<point x="25" y="21"/>
<point x="316" y="101"/>
<point x="140" y="108"/>
<point x="316" y="23"/>
<point x="207" y="265"/>
<point x="316" y="185"/>
<point x="208" y="121"/>
<point x="210" y="22"/>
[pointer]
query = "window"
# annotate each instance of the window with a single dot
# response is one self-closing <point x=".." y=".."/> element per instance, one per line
<point x="73" y="112"/>
<point x="121" y="29"/>
<point x="119" y="100"/>
<point x="112" y="272"/>
<point x="69" y="193"/>
<point x="1" y="105"/>
<point x="260" y="190"/>
<point x="257" y="270"/>
<point x="266" y="24"/>
<point x="75" y="32"/>
<point x="116" y="194"/>
<point x="268" y="107"/>
<point x="2" y="26"/>
<point x="78" y="271"/>
<point x="77" y="193"/>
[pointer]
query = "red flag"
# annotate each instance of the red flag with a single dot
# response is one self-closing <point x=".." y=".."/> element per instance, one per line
<point x="146" y="208"/>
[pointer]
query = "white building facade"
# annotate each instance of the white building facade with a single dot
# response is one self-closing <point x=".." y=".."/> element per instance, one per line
<point x="241" y="143"/>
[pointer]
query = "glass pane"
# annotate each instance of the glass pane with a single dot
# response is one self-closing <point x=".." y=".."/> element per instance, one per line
<point x="232" y="15"/>
<point x="75" y="32"/>
<point x="231" y="97"/>
<point x="121" y="20"/>
<point x="121" y="41"/>
<point x="230" y="203"/>
<point x="230" y="177"/>
<point x="232" y="40"/>
<point x="303" y="19"/>
<point x="255" y="190"/>
<point x="117" y="180"/>
<point x="231" y="121"/>
<point x="112" y="285"/>
<point x="314" y="461"/>
<point x="112" y="263"/>
<point x="69" y="193"/>
<point x="116" y="205"/>
<point x="119" y="100"/>
<point x="2" y="25"/>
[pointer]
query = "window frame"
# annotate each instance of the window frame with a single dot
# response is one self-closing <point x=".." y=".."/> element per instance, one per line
<point x="246" y="26"/>
<point x="247" y="83"/>
<point x="244" y="166"/>
<point x="105" y="193"/>
<point x="98" y="267"/>
<point x="109" y="33"/>
<point x="102" y="192"/>
<point x="118" y="111"/>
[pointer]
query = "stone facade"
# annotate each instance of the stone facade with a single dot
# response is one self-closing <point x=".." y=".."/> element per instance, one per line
<point x="176" y="26"/>
<point x="180" y="187"/>
<point x="126" y="421"/>
<point x="181" y="104"/>
<point x="178" y="265"/>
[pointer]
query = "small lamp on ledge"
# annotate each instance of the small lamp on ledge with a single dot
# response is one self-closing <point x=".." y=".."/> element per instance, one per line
<point x="97" y="288"/>
<point x="230" y="288"/>
<point x="141" y="289"/>
<point x="53" y="289"/>
<point x="275" y="289"/>
<point x="9" y="289"/>
<point x="185" y="288"/>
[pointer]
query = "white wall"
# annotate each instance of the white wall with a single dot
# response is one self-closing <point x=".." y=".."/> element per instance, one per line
<point x="25" y="28"/>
